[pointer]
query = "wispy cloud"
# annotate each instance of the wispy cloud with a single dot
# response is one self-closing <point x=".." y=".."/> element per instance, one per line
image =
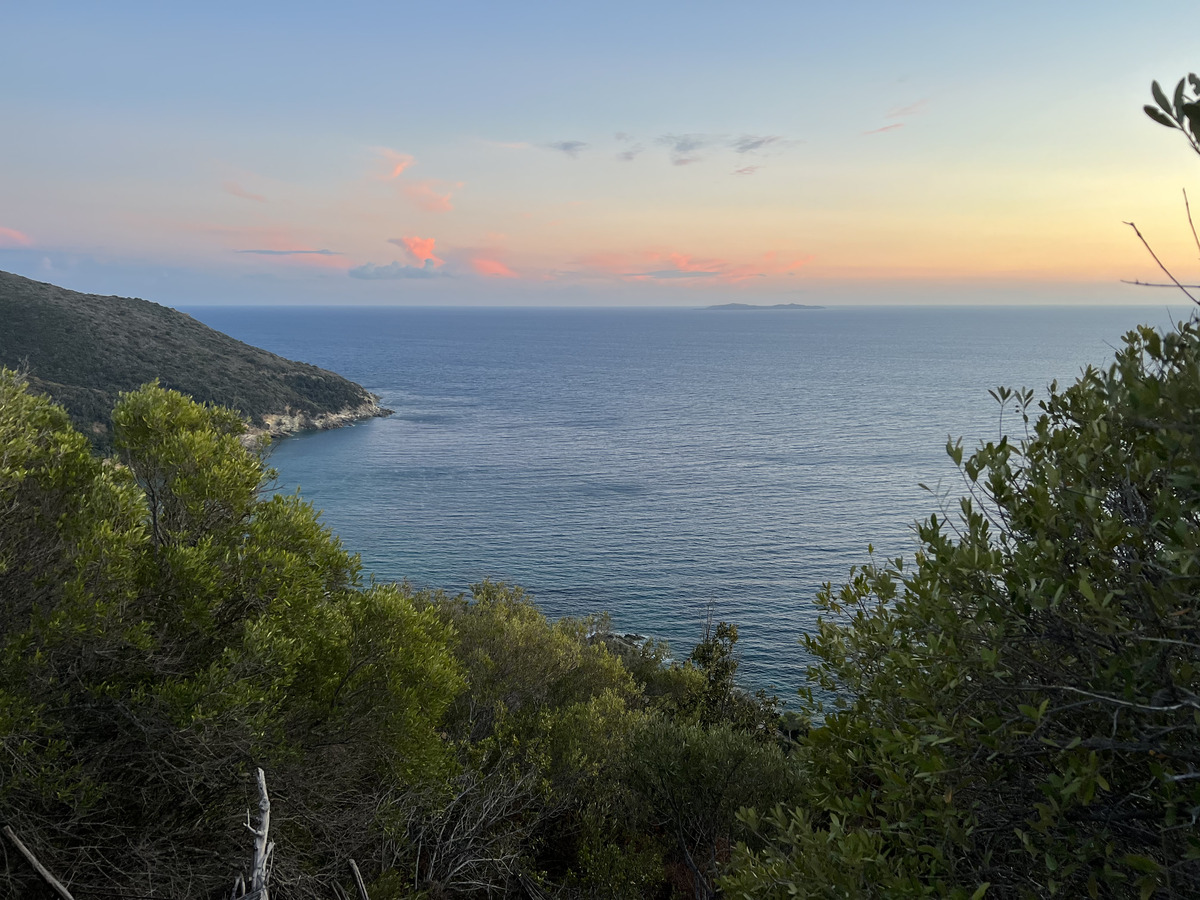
<point x="683" y="266"/>
<point x="629" y="153"/>
<point x="670" y="274"/>
<point x="431" y="194"/>
<point x="492" y="268"/>
<point x="571" y="148"/>
<point x="746" y="170"/>
<point x="891" y="127"/>
<point x="419" y="248"/>
<point x="232" y="187"/>
<point x="11" y="238"/>
<point x="396" y="162"/>
<point x="902" y="112"/>
<point x="684" y="147"/>
<point x="658" y="266"/>
<point x="428" y="194"/>
<point x="291" y="252"/>
<point x="751" y="143"/>
<point x="395" y="270"/>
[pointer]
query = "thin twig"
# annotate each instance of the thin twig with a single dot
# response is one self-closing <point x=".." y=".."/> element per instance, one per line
<point x="1189" y="215"/>
<point x="1156" y="283"/>
<point x="1160" y="265"/>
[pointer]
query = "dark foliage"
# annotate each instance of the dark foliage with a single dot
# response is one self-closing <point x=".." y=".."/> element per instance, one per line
<point x="85" y="349"/>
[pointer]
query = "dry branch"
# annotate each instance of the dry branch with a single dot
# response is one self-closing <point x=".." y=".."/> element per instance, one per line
<point x="33" y="861"/>
<point x="358" y="881"/>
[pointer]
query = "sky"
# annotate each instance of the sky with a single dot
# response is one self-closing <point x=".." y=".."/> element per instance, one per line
<point x="615" y="153"/>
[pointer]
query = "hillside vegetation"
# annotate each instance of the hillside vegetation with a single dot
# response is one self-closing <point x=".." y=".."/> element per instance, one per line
<point x="84" y="349"/>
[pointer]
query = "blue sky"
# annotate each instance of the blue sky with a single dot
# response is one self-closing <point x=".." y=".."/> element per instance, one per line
<point x="536" y="153"/>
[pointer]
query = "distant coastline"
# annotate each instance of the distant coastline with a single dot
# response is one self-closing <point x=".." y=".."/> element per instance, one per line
<point x="736" y="306"/>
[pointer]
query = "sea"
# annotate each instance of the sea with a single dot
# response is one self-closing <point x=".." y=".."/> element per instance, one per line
<point x="665" y="466"/>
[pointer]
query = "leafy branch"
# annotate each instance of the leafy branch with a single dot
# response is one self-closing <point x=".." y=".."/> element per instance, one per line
<point x="1180" y="112"/>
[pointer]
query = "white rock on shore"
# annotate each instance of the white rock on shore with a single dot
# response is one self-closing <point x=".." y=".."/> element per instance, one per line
<point x="285" y="423"/>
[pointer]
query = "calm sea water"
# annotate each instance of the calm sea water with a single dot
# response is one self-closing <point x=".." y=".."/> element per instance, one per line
<point x="654" y="463"/>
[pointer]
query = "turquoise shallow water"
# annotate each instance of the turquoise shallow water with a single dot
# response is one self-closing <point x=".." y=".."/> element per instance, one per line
<point x="653" y="462"/>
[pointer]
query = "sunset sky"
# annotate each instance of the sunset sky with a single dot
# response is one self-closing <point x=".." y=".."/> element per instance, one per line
<point x="652" y="153"/>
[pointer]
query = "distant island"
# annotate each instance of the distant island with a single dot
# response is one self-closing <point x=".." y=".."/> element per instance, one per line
<point x="84" y="349"/>
<point x="763" y="306"/>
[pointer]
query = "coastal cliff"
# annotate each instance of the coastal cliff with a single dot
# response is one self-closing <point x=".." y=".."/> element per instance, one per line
<point x="85" y="349"/>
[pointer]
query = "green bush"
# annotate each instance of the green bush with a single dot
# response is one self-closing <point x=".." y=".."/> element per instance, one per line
<point x="165" y="629"/>
<point x="1021" y="708"/>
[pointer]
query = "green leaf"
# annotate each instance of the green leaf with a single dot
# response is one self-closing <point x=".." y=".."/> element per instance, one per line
<point x="981" y="890"/>
<point x="1085" y="588"/>
<point x="1159" y="117"/>
<point x="1179" y="98"/>
<point x="1141" y="863"/>
<point x="1161" y="99"/>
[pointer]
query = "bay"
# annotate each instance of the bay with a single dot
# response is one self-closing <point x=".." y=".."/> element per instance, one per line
<point x="660" y="463"/>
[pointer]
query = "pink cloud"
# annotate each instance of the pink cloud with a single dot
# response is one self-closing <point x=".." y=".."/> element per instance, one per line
<point x="492" y="268"/>
<point x="684" y="263"/>
<point x="397" y="162"/>
<point x="425" y="194"/>
<point x="421" y="249"/>
<point x="232" y="187"/>
<point x="891" y="127"/>
<point x="10" y="237"/>
<point x="746" y="170"/>
<point x="912" y="109"/>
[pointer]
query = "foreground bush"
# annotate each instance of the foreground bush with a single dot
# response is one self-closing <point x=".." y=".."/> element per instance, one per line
<point x="164" y="628"/>
<point x="1019" y="711"/>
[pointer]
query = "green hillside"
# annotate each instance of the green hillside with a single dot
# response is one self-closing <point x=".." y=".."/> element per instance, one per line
<point x="84" y="349"/>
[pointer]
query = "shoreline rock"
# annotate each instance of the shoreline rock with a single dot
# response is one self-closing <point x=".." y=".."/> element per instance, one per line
<point x="280" y="425"/>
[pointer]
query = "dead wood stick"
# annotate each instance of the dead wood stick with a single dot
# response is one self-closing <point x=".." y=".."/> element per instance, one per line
<point x="358" y="881"/>
<point x="262" y="846"/>
<point x="33" y="861"/>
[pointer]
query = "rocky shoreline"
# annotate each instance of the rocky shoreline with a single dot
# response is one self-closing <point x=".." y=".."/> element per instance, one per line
<point x="277" y="425"/>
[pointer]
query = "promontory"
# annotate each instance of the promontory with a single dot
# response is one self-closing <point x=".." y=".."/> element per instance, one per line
<point x="84" y="349"/>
